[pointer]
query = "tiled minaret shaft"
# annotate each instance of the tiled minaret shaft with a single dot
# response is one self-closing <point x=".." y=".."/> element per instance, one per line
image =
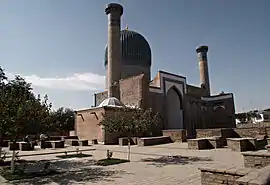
<point x="203" y="65"/>
<point x="114" y="12"/>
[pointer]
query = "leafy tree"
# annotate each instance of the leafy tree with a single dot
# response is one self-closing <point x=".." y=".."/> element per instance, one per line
<point x="130" y="122"/>
<point x="20" y="110"/>
<point x="3" y="111"/>
<point x="62" y="120"/>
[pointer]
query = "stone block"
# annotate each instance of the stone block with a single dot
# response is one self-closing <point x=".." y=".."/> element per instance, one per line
<point x="25" y="146"/>
<point x="124" y="141"/>
<point x="241" y="144"/>
<point x="58" y="144"/>
<point x="268" y="140"/>
<point x="147" y="141"/>
<point x="45" y="144"/>
<point x="5" y="143"/>
<point x="72" y="142"/>
<point x="176" y="135"/>
<point x="216" y="142"/>
<point x="94" y="141"/>
<point x="257" y="159"/>
<point x="14" y="146"/>
<point x="55" y="138"/>
<point x="70" y="137"/>
<point x="83" y="142"/>
<point x="268" y="148"/>
<point x="198" y="144"/>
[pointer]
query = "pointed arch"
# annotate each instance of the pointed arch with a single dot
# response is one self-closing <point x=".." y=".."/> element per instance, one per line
<point x="174" y="106"/>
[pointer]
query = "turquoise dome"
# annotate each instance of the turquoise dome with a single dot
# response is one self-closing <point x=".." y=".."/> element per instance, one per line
<point x="135" y="49"/>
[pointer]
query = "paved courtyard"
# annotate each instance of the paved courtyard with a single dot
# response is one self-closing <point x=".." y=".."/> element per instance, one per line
<point x="147" y="166"/>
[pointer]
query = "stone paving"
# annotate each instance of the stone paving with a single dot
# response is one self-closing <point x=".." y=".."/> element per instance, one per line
<point x="155" y="172"/>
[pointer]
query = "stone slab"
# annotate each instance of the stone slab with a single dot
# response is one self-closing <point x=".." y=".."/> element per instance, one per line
<point x="83" y="142"/>
<point x="176" y="135"/>
<point x="14" y="146"/>
<point x="123" y="141"/>
<point x="198" y="144"/>
<point x="148" y="141"/>
<point x="242" y="144"/>
<point x="5" y="143"/>
<point x="25" y="146"/>
<point x="58" y="144"/>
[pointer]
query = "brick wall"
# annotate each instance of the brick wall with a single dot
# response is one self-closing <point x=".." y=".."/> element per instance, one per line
<point x="220" y="113"/>
<point x="86" y="124"/>
<point x="258" y="159"/>
<point x="134" y="90"/>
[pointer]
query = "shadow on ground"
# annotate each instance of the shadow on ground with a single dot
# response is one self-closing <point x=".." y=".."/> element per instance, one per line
<point x="70" y="172"/>
<point x="174" y="160"/>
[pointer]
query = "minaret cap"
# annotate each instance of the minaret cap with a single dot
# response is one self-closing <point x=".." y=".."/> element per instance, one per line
<point x="203" y="49"/>
<point x="114" y="7"/>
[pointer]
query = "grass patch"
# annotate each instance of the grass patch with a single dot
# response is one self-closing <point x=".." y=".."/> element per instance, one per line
<point x="112" y="161"/>
<point x="20" y="174"/>
<point x="74" y="156"/>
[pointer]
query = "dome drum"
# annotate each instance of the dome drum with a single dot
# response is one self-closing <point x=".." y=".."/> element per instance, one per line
<point x="135" y="49"/>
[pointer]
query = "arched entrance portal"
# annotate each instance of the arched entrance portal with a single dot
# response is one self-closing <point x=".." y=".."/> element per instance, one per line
<point x="174" y="109"/>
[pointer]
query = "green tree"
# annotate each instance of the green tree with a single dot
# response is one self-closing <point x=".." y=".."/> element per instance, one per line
<point x="4" y="126"/>
<point x="20" y="110"/>
<point x="63" y="120"/>
<point x="130" y="122"/>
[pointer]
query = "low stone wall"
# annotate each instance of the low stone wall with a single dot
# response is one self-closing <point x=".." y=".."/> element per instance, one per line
<point x="257" y="159"/>
<point x="221" y="132"/>
<point x="147" y="141"/>
<point x="177" y="135"/>
<point x="222" y="175"/>
<point x="235" y="176"/>
<point x="242" y="144"/>
<point x="253" y="132"/>
<point x="248" y="125"/>
<point x="256" y="177"/>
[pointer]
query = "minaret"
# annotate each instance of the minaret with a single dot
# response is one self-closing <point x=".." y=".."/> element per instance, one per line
<point x="204" y="75"/>
<point x="114" y="12"/>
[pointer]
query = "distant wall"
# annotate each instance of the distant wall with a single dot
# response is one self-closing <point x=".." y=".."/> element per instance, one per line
<point x="233" y="132"/>
<point x="134" y="90"/>
<point x="99" y="97"/>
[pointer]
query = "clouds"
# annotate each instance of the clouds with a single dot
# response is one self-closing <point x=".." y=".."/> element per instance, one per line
<point x="74" y="82"/>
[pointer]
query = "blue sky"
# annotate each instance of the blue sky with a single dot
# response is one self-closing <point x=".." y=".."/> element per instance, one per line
<point x="58" y="46"/>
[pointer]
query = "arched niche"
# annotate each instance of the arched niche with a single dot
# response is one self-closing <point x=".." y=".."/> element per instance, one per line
<point x="174" y="109"/>
<point x="220" y="116"/>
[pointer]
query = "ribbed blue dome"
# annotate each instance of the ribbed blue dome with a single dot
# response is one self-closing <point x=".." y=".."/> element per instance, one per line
<point x="135" y="49"/>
